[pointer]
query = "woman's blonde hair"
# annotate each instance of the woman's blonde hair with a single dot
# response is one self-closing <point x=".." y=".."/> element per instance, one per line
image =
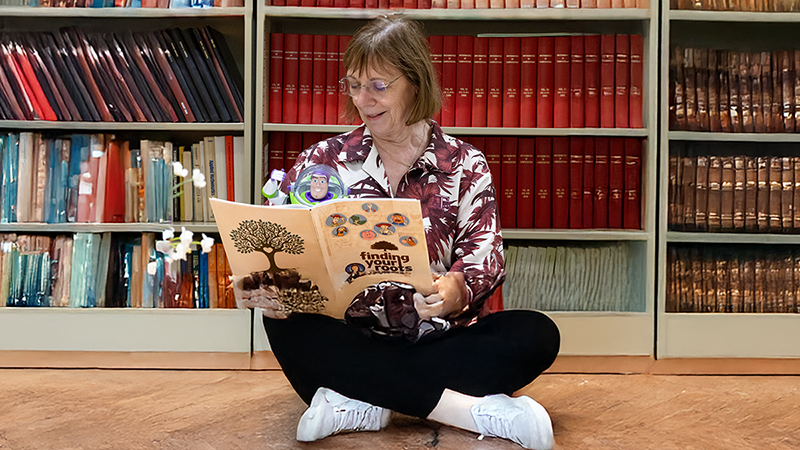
<point x="396" y="42"/>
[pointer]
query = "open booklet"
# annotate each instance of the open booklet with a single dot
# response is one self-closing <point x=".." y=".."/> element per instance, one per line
<point x="330" y="252"/>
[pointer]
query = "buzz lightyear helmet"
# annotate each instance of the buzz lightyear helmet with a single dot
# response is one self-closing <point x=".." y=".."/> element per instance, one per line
<point x="300" y="193"/>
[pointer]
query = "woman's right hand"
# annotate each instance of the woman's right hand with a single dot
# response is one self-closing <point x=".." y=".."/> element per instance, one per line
<point x="266" y="299"/>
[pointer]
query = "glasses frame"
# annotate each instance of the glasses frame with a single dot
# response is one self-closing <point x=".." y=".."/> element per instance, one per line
<point x="346" y="90"/>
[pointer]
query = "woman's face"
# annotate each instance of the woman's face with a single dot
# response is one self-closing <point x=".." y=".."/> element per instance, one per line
<point x="384" y="113"/>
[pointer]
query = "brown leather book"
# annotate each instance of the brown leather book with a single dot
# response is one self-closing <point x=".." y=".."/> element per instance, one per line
<point x="675" y="88"/>
<point x="756" y="107"/>
<point x="739" y="184"/>
<point x="701" y="86"/>
<point x="690" y="91"/>
<point x="671" y="301"/>
<point x="766" y="91"/>
<point x="748" y="276"/>
<point x="735" y="284"/>
<point x="673" y="201"/>
<point x="787" y="268"/>
<point x="796" y="197"/>
<point x="774" y="283"/>
<point x="733" y="97"/>
<point x="776" y="120"/>
<point x="688" y="192"/>
<point x="714" y="210"/>
<point x="796" y="83"/>
<point x="724" y="103"/>
<point x="745" y="93"/>
<point x="750" y="194"/>
<point x="775" y="188"/>
<point x="760" y="290"/>
<point x="726" y="210"/>
<point x="713" y="91"/>
<point x="701" y="194"/>
<point x="762" y="198"/>
<point x="787" y="194"/>
<point x="682" y="276"/>
<point x="697" y="286"/>
<point x="723" y="284"/>
<point x="793" y="307"/>
<point x="787" y="90"/>
<point x="709" y="280"/>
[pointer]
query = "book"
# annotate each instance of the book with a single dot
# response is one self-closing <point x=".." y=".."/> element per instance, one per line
<point x="616" y="181"/>
<point x="448" y="80"/>
<point x="332" y="95"/>
<point x="543" y="182"/>
<point x="511" y="82"/>
<point x="525" y="182"/>
<point x="305" y="79"/>
<point x="560" y="183"/>
<point x="576" y="79"/>
<point x="561" y="81"/>
<point x="508" y="197"/>
<point x="360" y="242"/>
<point x="601" y="183"/>
<point x="587" y="201"/>
<point x="632" y="206"/>
<point x="591" y="83"/>
<point x="528" y="81"/>
<point x="464" y="82"/>
<point x="291" y="55"/>
<point x="544" y="83"/>
<point x="494" y="83"/>
<point x="607" y="92"/>
<point x="479" y="79"/>
<point x="622" y="73"/>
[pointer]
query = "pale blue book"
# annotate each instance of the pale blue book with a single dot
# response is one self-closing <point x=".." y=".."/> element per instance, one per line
<point x="61" y="185"/>
<point x="10" y="173"/>
<point x="79" y="152"/>
<point x="15" y="278"/>
<point x="81" y="281"/>
<point x="49" y="206"/>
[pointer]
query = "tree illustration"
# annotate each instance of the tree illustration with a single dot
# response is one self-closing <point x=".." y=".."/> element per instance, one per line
<point x="268" y="238"/>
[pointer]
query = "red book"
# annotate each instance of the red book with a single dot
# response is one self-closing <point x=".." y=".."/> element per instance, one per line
<point x="318" y="81"/>
<point x="410" y="4"/>
<point x="508" y="202"/>
<point x="325" y="3"/>
<point x="275" y="77"/>
<point x="292" y="2"/>
<point x="308" y="3"/>
<point x="305" y="78"/>
<point x="525" y="169"/>
<point x="436" y="43"/>
<point x="493" y="152"/>
<point x="310" y="138"/>
<point x="463" y="113"/>
<point x="494" y="82"/>
<point x="607" y="81"/>
<point x="277" y="142"/>
<point x="631" y="206"/>
<point x="542" y="182"/>
<point x="636" y="82"/>
<point x="332" y="96"/>
<point x="576" y="181"/>
<point x="544" y="76"/>
<point x="600" y="207"/>
<point x="561" y="82"/>
<point x="357" y="4"/>
<point x="576" y="73"/>
<point x="511" y="74"/>
<point x="230" y="170"/>
<point x="340" y="3"/>
<point x="114" y="204"/>
<point x="479" y="68"/>
<point x="291" y="53"/>
<point x="424" y="4"/>
<point x="449" y="49"/>
<point x="371" y="4"/>
<point x="591" y="80"/>
<point x="622" y="73"/>
<point x="292" y="148"/>
<point x="587" y="218"/>
<point x="343" y="42"/>
<point x="527" y="82"/>
<point x="395" y="4"/>
<point x="560" y="186"/>
<point x="32" y="87"/>
<point x="616" y="180"/>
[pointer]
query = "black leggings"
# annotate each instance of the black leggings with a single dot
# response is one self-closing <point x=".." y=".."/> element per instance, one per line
<point x="501" y="353"/>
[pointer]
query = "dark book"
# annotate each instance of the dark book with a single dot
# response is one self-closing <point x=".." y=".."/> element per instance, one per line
<point x="134" y="104"/>
<point x="726" y="210"/>
<point x="701" y="86"/>
<point x="69" y="73"/>
<point x="8" y="93"/>
<point x="713" y="91"/>
<point x="104" y="95"/>
<point x="734" y="284"/>
<point x="217" y="73"/>
<point x="59" y="77"/>
<point x="85" y="72"/>
<point x="110" y="90"/>
<point x="673" y="201"/>
<point x="787" y="91"/>
<point x="154" y="64"/>
<point x="750" y="194"/>
<point x="776" y="121"/>
<point x="678" y="88"/>
<point x="696" y="286"/>
<point x="714" y="210"/>
<point x="722" y="284"/>
<point x="192" y="81"/>
<point x="733" y="98"/>
<point x="15" y="89"/>
<point x="709" y="300"/>
<point x="690" y="90"/>
<point x="766" y="92"/>
<point x="775" y="188"/>
<point x="701" y="193"/>
<point x="140" y="68"/>
<point x="724" y="91"/>
<point x="227" y="63"/>
<point x="747" y="272"/>
<point x="796" y="198"/>
<point x="762" y="196"/>
<point x="756" y="104"/>
<point x="739" y="193"/>
<point x="688" y="186"/>
<point x="43" y="76"/>
<point x="165" y="51"/>
<point x="205" y="76"/>
<point x="787" y="194"/>
<point x="745" y="93"/>
<point x="127" y="68"/>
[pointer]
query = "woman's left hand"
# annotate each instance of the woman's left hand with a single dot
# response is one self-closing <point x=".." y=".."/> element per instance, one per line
<point x="450" y="296"/>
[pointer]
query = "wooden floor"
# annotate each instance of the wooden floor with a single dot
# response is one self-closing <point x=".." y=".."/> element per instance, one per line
<point x="199" y="410"/>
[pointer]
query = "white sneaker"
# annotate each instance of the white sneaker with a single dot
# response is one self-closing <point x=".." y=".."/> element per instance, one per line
<point x="519" y="419"/>
<point x="331" y="413"/>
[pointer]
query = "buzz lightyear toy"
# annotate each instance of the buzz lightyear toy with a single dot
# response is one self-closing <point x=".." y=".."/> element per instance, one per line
<point x="315" y="184"/>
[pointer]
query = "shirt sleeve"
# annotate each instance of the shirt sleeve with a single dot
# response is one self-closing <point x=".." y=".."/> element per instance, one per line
<point x="478" y="245"/>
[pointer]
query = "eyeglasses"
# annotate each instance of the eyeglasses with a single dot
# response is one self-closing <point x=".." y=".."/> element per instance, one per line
<point x="377" y="87"/>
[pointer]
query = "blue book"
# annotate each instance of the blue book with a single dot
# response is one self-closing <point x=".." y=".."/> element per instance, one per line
<point x="180" y="4"/>
<point x="136" y="4"/>
<point x="204" y="279"/>
<point x="79" y="152"/>
<point x="61" y="185"/>
<point x="10" y="173"/>
<point x="49" y="206"/>
<point x="16" y="278"/>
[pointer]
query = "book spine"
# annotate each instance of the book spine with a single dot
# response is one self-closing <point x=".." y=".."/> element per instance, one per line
<point x="494" y="152"/>
<point x="305" y="78"/>
<point x="633" y="185"/>
<point x="576" y="163"/>
<point x="479" y="81"/>
<point x="341" y="109"/>
<point x="601" y="183"/>
<point x="436" y="43"/>
<point x="616" y="181"/>
<point x="542" y="182"/>
<point x="544" y="76"/>
<point x="775" y="188"/>
<point x="577" y="111"/>
<point x="560" y="183"/>
<point x="527" y="81"/>
<point x="318" y="86"/>
<point x="787" y="194"/>
<point x="275" y="77"/>
<point x="525" y="181"/>
<point x="449" y="71"/>
<point x="561" y="82"/>
<point x="464" y="82"/>
<point x="511" y="81"/>
<point x="291" y="61"/>
<point x="727" y="188"/>
<point x="587" y="215"/>
<point x="739" y="193"/>
<point x="508" y="201"/>
<point x="592" y="80"/>
<point x="332" y="95"/>
<point x="607" y="81"/>
<point x="494" y="82"/>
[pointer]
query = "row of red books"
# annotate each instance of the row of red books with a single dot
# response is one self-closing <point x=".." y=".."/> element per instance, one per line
<point x="730" y="91"/>
<point x="734" y="193"/>
<point x="157" y="76"/>
<point x="722" y="279"/>
<point x="462" y="4"/>
<point x="737" y="5"/>
<point x="592" y="81"/>
<point x="541" y="182"/>
<point x="132" y="4"/>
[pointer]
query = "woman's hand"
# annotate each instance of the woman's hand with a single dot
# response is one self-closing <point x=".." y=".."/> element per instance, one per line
<point x="450" y="295"/>
<point x="266" y="299"/>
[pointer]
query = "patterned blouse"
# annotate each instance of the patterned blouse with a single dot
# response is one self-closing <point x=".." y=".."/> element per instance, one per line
<point x="452" y="181"/>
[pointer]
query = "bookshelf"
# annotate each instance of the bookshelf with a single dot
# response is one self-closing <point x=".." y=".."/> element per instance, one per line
<point x="133" y="337"/>
<point x="625" y="333"/>
<point x="742" y="336"/>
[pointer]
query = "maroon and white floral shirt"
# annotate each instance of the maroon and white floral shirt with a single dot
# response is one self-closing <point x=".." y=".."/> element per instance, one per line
<point x="459" y="208"/>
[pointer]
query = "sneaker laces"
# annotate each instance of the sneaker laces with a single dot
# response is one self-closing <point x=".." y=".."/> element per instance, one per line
<point x="354" y="415"/>
<point x="495" y="419"/>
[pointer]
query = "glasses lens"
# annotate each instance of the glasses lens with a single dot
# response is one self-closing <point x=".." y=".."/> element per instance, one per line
<point x="378" y="86"/>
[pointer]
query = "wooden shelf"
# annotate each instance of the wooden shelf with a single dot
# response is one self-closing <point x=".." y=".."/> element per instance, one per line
<point x="478" y="131"/>
<point x="18" y="227"/>
<point x="733" y="16"/>
<point x="39" y="125"/>
<point x="733" y="137"/>
<point x="518" y="14"/>
<point x="122" y="13"/>
<point x="575" y="235"/>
